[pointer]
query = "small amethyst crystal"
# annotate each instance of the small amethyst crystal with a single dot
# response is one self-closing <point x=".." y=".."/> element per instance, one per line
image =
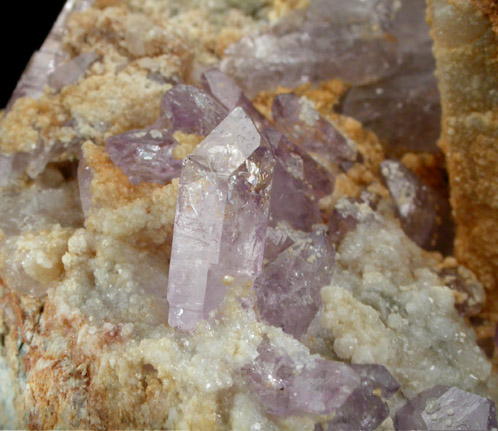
<point x="301" y="122"/>
<point x="190" y="110"/>
<point x="145" y="155"/>
<point x="446" y="408"/>
<point x="221" y="218"/>
<point x="470" y="295"/>
<point x="69" y="72"/>
<point x="85" y="177"/>
<point x="285" y="387"/>
<point x="425" y="216"/>
<point x="289" y="286"/>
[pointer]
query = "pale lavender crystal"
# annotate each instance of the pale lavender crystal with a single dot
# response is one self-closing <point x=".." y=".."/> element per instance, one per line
<point x="365" y="409"/>
<point x="425" y="216"/>
<point x="329" y="39"/>
<point x="145" y="155"/>
<point x="230" y="95"/>
<point x="50" y="55"/>
<point x="470" y="293"/>
<point x="190" y="110"/>
<point x="298" y="119"/>
<point x="85" y="177"/>
<point x="285" y="387"/>
<point x="221" y="218"/>
<point x="446" y="408"/>
<point x="289" y="286"/>
<point x="69" y="72"/>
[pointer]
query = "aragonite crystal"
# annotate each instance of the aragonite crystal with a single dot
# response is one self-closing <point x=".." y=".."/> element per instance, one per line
<point x="446" y="408"/>
<point x="221" y="218"/>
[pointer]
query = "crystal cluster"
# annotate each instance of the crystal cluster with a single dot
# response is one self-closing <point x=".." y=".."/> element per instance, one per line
<point x="383" y="48"/>
<point x="446" y="408"/>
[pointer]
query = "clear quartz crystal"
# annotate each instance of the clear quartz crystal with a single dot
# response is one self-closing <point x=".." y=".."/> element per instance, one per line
<point x="221" y="218"/>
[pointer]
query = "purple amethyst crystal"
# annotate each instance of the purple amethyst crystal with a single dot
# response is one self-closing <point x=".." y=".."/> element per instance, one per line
<point x="425" y="216"/>
<point x="145" y="155"/>
<point x="85" y="177"/>
<point x="470" y="295"/>
<point x="230" y="95"/>
<point x="190" y="110"/>
<point x="69" y="72"/>
<point x="365" y="409"/>
<point x="298" y="119"/>
<point x="446" y="408"/>
<point x="285" y="387"/>
<point x="221" y="218"/>
<point x="289" y="286"/>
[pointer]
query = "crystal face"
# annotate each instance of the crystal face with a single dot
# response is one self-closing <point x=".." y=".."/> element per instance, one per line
<point x="446" y="408"/>
<point x="227" y="180"/>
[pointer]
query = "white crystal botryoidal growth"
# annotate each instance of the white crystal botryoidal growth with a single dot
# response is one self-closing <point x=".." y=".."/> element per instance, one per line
<point x="221" y="218"/>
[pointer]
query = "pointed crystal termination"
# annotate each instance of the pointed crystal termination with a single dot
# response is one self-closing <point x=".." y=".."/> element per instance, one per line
<point x="221" y="218"/>
<point x="190" y="110"/>
<point x="446" y="408"/>
<point x="50" y="55"/>
<point x="85" y="177"/>
<point x="145" y="155"/>
<point x="425" y="216"/>
<point x="298" y="119"/>
<point x="290" y="285"/>
<point x="365" y="409"/>
<point x="69" y="72"/>
<point x="285" y="387"/>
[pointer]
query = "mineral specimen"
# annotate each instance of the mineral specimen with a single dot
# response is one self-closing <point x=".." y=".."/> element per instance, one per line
<point x="85" y="177"/>
<point x="290" y="285"/>
<point x="285" y="387"/>
<point x="424" y="215"/>
<point x="69" y="72"/>
<point x="446" y="408"/>
<point x="301" y="122"/>
<point x="221" y="218"/>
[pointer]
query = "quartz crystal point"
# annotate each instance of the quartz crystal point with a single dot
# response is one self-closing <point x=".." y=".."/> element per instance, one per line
<point x="69" y="72"/>
<point x="424" y="215"/>
<point x="221" y="218"/>
<point x="85" y="177"/>
<point x="298" y="119"/>
<point x="145" y="155"/>
<point x="469" y="293"/>
<point x="45" y="61"/>
<point x="446" y="408"/>
<point x="289" y="286"/>
<point x="189" y="109"/>
<point x="285" y="387"/>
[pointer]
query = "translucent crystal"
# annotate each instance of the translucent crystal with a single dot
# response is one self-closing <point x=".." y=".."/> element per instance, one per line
<point x="72" y="70"/>
<point x="425" y="216"/>
<point x="145" y="155"/>
<point x="290" y="285"/>
<point x="298" y="119"/>
<point x="190" y="110"/>
<point x="446" y="408"/>
<point x="221" y="218"/>
<point x="286" y="387"/>
<point x="85" y="177"/>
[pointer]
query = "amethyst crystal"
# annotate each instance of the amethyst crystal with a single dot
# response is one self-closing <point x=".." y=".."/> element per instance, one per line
<point x="221" y="218"/>
<point x="50" y="55"/>
<point x="145" y="155"/>
<point x="230" y="95"/>
<point x="290" y="285"/>
<point x="69" y="72"/>
<point x="365" y="409"/>
<point x="300" y="121"/>
<point x="425" y="216"/>
<point x="285" y="387"/>
<point x="470" y="295"/>
<point x="85" y="177"/>
<point x="190" y="110"/>
<point x="446" y="408"/>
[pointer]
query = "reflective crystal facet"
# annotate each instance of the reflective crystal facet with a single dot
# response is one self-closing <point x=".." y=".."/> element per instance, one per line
<point x="221" y="218"/>
<point x="446" y="408"/>
<point x="145" y="155"/>
<point x="285" y="387"/>
<point x="289" y="286"/>
<point x="69" y="72"/>
<point x="425" y="216"/>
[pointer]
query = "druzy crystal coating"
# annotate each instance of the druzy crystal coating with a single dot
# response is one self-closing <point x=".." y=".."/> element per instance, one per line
<point x="221" y="218"/>
<point x="446" y="408"/>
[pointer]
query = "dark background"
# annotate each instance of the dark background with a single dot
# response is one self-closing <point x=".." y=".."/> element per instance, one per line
<point x="22" y="31"/>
